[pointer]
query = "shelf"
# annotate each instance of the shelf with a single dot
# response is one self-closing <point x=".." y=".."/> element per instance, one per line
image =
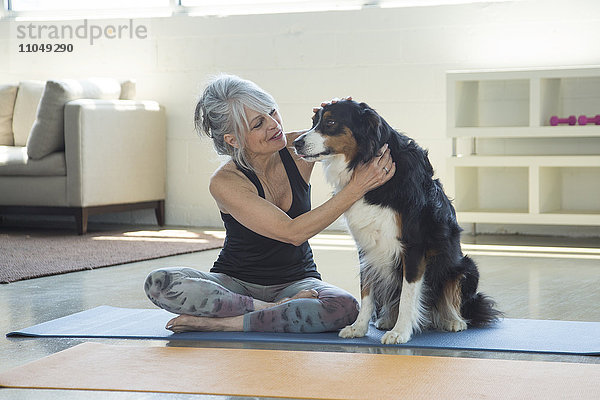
<point x="569" y="190"/>
<point x="492" y="103"/>
<point x="516" y="103"/>
<point x="529" y="189"/>
<point x="493" y="217"/>
<point x="495" y="189"/>
<point x="526" y="161"/>
<point x="569" y="96"/>
<point x="527" y="132"/>
<point x="592" y="219"/>
<point x="554" y="190"/>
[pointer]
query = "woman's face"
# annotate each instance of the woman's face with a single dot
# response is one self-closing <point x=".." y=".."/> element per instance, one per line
<point x="265" y="135"/>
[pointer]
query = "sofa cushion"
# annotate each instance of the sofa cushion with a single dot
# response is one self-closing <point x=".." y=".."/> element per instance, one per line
<point x="8" y="94"/>
<point x="14" y="162"/>
<point x="26" y="105"/>
<point x="47" y="133"/>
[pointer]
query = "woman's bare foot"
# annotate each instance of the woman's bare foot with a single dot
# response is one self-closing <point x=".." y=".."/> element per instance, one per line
<point x="303" y="294"/>
<point x="190" y="323"/>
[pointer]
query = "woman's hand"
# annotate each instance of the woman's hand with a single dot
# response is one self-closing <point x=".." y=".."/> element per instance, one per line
<point x="332" y="101"/>
<point x="375" y="173"/>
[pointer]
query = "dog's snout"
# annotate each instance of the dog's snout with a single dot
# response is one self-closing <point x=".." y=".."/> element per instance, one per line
<point x="299" y="143"/>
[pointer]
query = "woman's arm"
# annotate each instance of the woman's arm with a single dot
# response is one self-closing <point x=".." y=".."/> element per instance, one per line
<point x="235" y="196"/>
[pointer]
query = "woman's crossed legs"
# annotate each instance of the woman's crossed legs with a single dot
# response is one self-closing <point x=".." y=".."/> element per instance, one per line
<point x="218" y="302"/>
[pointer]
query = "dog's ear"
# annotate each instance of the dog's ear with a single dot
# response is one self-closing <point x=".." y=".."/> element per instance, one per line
<point x="371" y="124"/>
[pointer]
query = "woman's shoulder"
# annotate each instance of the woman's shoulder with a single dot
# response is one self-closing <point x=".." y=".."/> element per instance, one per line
<point x="226" y="177"/>
<point x="225" y="173"/>
<point x="226" y="184"/>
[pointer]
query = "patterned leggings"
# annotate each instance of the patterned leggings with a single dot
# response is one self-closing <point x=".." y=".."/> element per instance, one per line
<point x="207" y="294"/>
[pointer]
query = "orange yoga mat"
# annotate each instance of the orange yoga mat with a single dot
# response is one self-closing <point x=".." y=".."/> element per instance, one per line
<point x="302" y="374"/>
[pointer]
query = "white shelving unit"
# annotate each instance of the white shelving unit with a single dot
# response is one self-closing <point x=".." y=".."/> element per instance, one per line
<point x="531" y="189"/>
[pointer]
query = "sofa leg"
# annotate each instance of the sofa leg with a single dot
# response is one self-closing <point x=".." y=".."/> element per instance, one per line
<point x="159" y="210"/>
<point x="81" y="219"/>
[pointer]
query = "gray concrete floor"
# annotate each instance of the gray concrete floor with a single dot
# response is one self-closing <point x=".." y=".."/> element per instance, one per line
<point x="529" y="277"/>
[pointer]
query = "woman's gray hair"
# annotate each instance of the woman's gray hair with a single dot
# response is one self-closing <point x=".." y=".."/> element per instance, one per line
<point x="221" y="111"/>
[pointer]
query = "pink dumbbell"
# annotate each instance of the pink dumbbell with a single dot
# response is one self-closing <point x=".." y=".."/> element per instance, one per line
<point x="554" y="120"/>
<point x="583" y="120"/>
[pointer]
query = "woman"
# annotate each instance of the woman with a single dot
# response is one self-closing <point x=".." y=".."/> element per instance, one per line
<point x="265" y="278"/>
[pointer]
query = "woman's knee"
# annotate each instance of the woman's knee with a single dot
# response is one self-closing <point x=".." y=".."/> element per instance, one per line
<point x="158" y="281"/>
<point x="350" y="306"/>
<point x="341" y="308"/>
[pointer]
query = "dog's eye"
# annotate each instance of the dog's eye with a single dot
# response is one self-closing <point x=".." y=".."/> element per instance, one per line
<point x="330" y="122"/>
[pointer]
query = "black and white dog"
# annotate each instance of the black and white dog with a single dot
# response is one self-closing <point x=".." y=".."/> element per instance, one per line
<point x="412" y="271"/>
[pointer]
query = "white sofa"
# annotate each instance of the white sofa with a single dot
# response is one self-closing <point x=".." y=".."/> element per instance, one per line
<point x="80" y="148"/>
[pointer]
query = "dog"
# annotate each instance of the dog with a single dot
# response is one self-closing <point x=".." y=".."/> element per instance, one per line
<point x="413" y="273"/>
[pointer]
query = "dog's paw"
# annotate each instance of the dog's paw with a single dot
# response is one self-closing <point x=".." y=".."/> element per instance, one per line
<point x="393" y="337"/>
<point x="455" y="326"/>
<point x="352" y="331"/>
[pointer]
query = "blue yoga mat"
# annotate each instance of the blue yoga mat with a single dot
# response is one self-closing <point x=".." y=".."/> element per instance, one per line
<point x="516" y="335"/>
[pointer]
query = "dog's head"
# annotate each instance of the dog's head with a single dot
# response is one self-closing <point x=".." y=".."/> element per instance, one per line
<point x="344" y="128"/>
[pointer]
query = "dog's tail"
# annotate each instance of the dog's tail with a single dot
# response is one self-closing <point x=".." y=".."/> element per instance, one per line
<point x="477" y="308"/>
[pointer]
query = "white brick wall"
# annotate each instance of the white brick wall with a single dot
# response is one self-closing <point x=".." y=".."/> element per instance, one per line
<point x="393" y="59"/>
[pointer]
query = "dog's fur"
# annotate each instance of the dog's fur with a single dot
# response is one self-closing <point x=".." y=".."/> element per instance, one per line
<point x="412" y="270"/>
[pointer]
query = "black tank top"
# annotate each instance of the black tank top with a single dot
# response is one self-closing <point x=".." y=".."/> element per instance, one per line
<point x="254" y="258"/>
